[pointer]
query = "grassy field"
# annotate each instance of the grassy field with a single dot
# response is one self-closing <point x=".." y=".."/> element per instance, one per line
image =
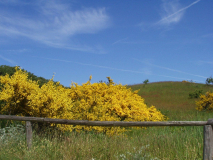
<point x="164" y="143"/>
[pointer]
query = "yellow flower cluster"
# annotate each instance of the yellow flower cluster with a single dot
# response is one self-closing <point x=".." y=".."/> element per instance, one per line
<point x="184" y="81"/>
<point x="93" y="102"/>
<point x="205" y="102"/>
<point x="15" y="91"/>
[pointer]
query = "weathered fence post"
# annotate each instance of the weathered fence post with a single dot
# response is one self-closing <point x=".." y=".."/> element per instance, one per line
<point x="29" y="134"/>
<point x="208" y="141"/>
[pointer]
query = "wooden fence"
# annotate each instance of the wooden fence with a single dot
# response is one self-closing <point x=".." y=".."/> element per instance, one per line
<point x="207" y="132"/>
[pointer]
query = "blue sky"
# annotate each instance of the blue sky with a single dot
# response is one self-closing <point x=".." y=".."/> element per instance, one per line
<point x="129" y="41"/>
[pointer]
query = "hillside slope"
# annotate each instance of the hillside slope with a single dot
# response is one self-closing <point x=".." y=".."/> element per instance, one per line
<point x="170" y="95"/>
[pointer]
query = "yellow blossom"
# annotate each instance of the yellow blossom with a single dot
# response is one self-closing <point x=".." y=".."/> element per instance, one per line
<point x="93" y="102"/>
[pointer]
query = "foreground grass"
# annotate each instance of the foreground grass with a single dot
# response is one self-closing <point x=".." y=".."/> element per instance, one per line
<point x="152" y="143"/>
<point x="164" y="143"/>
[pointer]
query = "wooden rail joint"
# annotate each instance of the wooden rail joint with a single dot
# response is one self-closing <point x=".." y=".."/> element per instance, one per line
<point x="210" y="122"/>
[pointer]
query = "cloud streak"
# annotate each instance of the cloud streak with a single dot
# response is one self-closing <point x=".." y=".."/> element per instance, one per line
<point x="126" y="41"/>
<point x="172" y="12"/>
<point x="120" y="41"/>
<point x="55" y="24"/>
<point x="173" y="70"/>
<point x="112" y="68"/>
<point x="205" y="62"/>
<point x="7" y="60"/>
<point x="16" y="50"/>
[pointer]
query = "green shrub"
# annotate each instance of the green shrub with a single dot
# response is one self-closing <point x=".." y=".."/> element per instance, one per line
<point x="195" y="94"/>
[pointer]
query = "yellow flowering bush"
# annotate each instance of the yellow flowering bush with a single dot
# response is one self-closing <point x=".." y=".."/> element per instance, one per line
<point x="51" y="101"/>
<point x="15" y="91"/>
<point x="93" y="102"/>
<point x="112" y="102"/>
<point x="205" y="102"/>
<point x="24" y="97"/>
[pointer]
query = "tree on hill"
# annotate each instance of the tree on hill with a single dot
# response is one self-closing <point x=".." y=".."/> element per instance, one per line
<point x="146" y="81"/>
<point x="209" y="80"/>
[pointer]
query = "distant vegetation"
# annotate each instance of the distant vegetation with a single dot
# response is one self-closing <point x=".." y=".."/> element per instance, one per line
<point x="209" y="80"/>
<point x="195" y="94"/>
<point x="145" y="81"/>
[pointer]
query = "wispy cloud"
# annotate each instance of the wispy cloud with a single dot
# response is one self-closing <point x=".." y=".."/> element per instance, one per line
<point x="204" y="62"/>
<point x="170" y="69"/>
<point x="8" y="60"/>
<point x="54" y="24"/>
<point x="173" y="12"/>
<point x="16" y="50"/>
<point x="127" y="41"/>
<point x="120" y="41"/>
<point x="146" y="72"/>
<point x="86" y="64"/>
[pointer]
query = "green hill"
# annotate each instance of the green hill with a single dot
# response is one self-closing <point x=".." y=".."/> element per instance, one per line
<point x="172" y="98"/>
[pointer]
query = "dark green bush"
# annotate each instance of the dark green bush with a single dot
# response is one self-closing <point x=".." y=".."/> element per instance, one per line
<point x="209" y="80"/>
<point x="195" y="94"/>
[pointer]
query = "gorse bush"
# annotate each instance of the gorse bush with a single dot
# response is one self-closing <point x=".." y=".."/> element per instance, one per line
<point x="184" y="81"/>
<point x="205" y="102"/>
<point x="109" y="102"/>
<point x="93" y="102"/>
<point x="24" y="97"/>
<point x="15" y="90"/>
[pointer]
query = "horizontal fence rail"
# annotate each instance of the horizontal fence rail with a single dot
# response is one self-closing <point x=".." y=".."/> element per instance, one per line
<point x="107" y="123"/>
<point x="208" y="129"/>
